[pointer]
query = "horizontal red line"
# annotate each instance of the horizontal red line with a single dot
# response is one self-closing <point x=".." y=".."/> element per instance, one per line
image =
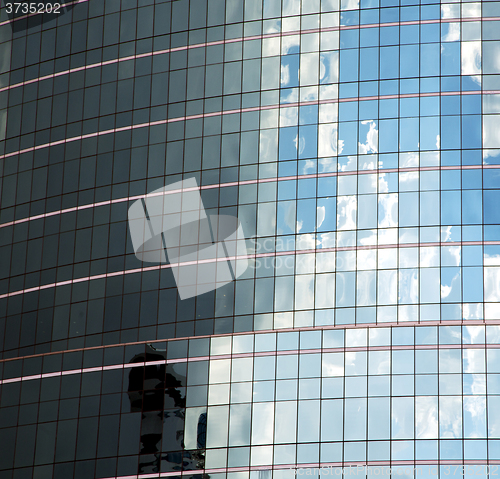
<point x="464" y="322"/>
<point x="251" y="182"/>
<point x="344" y="465"/>
<point x="256" y="354"/>
<point x="232" y="40"/>
<point x="241" y="257"/>
<point x="236" y="111"/>
<point x="231" y="112"/>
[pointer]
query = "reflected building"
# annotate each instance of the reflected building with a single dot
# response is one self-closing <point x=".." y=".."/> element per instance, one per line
<point x="157" y="391"/>
<point x="249" y="239"/>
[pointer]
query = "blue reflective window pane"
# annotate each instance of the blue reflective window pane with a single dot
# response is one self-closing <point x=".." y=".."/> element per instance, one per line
<point x="348" y="65"/>
<point x="471" y="126"/>
<point x="368" y="63"/>
<point x="389" y="62"/>
<point x="429" y="55"/>
<point x="288" y="143"/>
<point x="308" y="141"/>
<point x="409" y="34"/>
<point x="369" y="37"/>
<point x="451" y="208"/>
<point x="450" y="58"/>
<point x="491" y="202"/>
<point x="450" y="132"/>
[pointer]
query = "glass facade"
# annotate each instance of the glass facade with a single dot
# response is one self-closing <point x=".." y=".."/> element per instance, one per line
<point x="249" y="239"/>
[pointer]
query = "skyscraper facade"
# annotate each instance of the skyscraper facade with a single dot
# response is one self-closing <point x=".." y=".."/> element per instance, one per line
<point x="249" y="239"/>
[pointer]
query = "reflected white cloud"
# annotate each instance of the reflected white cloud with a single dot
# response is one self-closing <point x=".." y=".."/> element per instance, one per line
<point x="285" y="75"/>
<point x="308" y="167"/>
<point x="450" y="417"/>
<point x="491" y="135"/>
<point x="491" y="57"/>
<point x="300" y="144"/>
<point x="472" y="311"/>
<point x="290" y="24"/>
<point x="426" y="422"/>
<point x="475" y="416"/>
<point x="266" y="219"/>
<point x="491" y="103"/>
<point x="388" y="210"/>
<point x="350" y="165"/>
<point x="268" y="145"/>
<point x="290" y="43"/>
<point x="478" y="385"/>
<point x="346" y="212"/>
<point x="383" y="186"/>
<point x="408" y="181"/>
<point x="429" y="256"/>
<point x="325" y="262"/>
<point x="329" y="113"/>
<point x="451" y="255"/>
<point x="325" y="290"/>
<point x="430" y="285"/>
<point x="367" y="259"/>
<point x="289" y="116"/>
<point x="387" y="283"/>
<point x="326" y="240"/>
<point x="452" y="288"/>
<point x="446" y="233"/>
<point x="350" y="5"/>
<point x="403" y="418"/>
<point x="450" y="10"/>
<point x="309" y="93"/>
<point x="309" y="68"/>
<point x="379" y="362"/>
<point x="494" y="416"/>
<point x="269" y="118"/>
<point x="271" y="46"/>
<point x="474" y="360"/>
<point x="491" y="260"/>
<point x="286" y="217"/>
<point x="329" y="92"/>
<point x="273" y="26"/>
<point x="306" y="241"/>
<point x="329" y="67"/>
<point x="453" y="33"/>
<point x="368" y="238"/>
<point x="371" y="144"/>
<point x="327" y="164"/>
<point x="369" y="162"/>
<point x="263" y="423"/>
<point x="407" y="160"/>
<point x="491" y="284"/>
<point x="327" y="140"/>
<point x="291" y="7"/>
<point x="408" y="286"/>
<point x="332" y="364"/>
<point x="239" y="424"/>
<point x="471" y="10"/>
<point x="387" y="258"/>
<point x="366" y="282"/>
<point x="471" y="60"/>
<point x="388" y="236"/>
<point x="320" y="215"/>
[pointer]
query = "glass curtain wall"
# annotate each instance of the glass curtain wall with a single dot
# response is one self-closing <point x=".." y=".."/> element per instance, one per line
<point x="246" y="239"/>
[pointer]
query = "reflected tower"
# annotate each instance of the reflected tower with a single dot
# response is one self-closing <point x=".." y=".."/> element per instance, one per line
<point x="157" y="391"/>
<point x="244" y="238"/>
